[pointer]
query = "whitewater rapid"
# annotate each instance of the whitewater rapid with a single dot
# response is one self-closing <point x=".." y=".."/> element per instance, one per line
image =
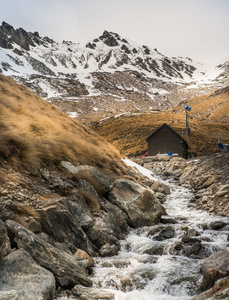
<point x="148" y="269"/>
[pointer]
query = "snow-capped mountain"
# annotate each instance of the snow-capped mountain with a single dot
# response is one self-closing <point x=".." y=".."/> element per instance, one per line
<point x="101" y="74"/>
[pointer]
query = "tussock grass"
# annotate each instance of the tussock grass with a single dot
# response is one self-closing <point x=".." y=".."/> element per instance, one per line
<point x="90" y="199"/>
<point x="33" y="132"/>
<point x="210" y="116"/>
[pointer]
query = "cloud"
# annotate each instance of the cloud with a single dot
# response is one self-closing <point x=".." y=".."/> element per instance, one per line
<point x="194" y="28"/>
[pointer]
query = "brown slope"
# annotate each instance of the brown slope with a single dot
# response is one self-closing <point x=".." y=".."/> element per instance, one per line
<point x="34" y="132"/>
<point x="210" y="116"/>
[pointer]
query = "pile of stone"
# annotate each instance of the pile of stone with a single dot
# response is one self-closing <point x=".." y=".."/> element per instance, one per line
<point x="207" y="176"/>
<point x="50" y="233"/>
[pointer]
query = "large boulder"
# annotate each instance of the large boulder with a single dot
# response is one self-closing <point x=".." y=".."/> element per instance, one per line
<point x="92" y="174"/>
<point x="139" y="203"/>
<point x="108" y="228"/>
<point x="104" y="230"/>
<point x="215" y="267"/>
<point x="5" y="247"/>
<point x="220" y="291"/>
<point x="65" y="268"/>
<point x="29" y="281"/>
<point x="60" y="222"/>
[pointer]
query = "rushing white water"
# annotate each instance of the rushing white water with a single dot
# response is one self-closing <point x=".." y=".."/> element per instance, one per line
<point x="148" y="269"/>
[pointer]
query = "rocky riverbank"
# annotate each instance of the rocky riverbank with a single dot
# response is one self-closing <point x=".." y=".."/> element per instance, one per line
<point x="206" y="176"/>
<point x="53" y="224"/>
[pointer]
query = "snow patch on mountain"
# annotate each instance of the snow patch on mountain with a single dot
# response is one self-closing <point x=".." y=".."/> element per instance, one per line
<point x="107" y="69"/>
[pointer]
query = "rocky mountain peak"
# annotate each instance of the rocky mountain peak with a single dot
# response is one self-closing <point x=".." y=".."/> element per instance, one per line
<point x="109" y="38"/>
<point x="109" y="64"/>
<point x="9" y="35"/>
<point x="112" y="39"/>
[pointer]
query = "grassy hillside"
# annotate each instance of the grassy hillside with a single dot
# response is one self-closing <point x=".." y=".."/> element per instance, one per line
<point x="35" y="133"/>
<point x="209" y="116"/>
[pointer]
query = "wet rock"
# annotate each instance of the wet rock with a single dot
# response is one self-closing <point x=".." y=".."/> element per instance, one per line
<point x="5" y="247"/>
<point x="30" y="281"/>
<point x="166" y="233"/>
<point x="168" y="220"/>
<point x="156" y="249"/>
<point x="190" y="240"/>
<point x="81" y="255"/>
<point x="137" y="202"/>
<point x="160" y="188"/>
<point x="220" y="291"/>
<point x="192" y="250"/>
<point x="64" y="267"/>
<point x="176" y="248"/>
<point x="108" y="250"/>
<point x="154" y="230"/>
<point x="192" y="232"/>
<point x="84" y="293"/>
<point x="104" y="230"/>
<point x="214" y="267"/>
<point x="161" y="197"/>
<point x="217" y="225"/>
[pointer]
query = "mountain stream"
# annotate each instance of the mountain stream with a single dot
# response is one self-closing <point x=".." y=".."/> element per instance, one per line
<point x="151" y="266"/>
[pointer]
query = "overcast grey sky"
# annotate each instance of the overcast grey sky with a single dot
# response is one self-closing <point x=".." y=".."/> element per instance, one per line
<point x="198" y="29"/>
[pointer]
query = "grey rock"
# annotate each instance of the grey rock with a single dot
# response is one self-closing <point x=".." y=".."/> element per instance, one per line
<point x="95" y="177"/>
<point x="9" y="295"/>
<point x="160" y="188"/>
<point x="84" y="258"/>
<point x="168" y="220"/>
<point x="81" y="210"/>
<point x="108" y="250"/>
<point x="34" y="225"/>
<point x="59" y="222"/>
<point x="64" y="267"/>
<point x="190" y="240"/>
<point x="30" y="281"/>
<point x="156" y="249"/>
<point x="192" y="250"/>
<point x="220" y="291"/>
<point x="137" y="202"/>
<point x="217" y="225"/>
<point x="84" y="293"/>
<point x="104" y="231"/>
<point x="5" y="247"/>
<point x="214" y="267"/>
<point x="166" y="233"/>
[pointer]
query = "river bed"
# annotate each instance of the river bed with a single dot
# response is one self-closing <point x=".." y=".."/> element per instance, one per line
<point x="154" y="267"/>
<point x="147" y="268"/>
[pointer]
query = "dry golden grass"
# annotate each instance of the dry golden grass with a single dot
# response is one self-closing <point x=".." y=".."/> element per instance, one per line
<point x="90" y="199"/>
<point x="210" y="116"/>
<point x="34" y="132"/>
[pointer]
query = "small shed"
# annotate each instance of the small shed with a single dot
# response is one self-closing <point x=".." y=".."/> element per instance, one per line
<point x="166" y="140"/>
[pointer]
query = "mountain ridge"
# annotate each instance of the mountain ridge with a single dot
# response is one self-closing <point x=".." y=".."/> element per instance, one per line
<point x="106" y="76"/>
